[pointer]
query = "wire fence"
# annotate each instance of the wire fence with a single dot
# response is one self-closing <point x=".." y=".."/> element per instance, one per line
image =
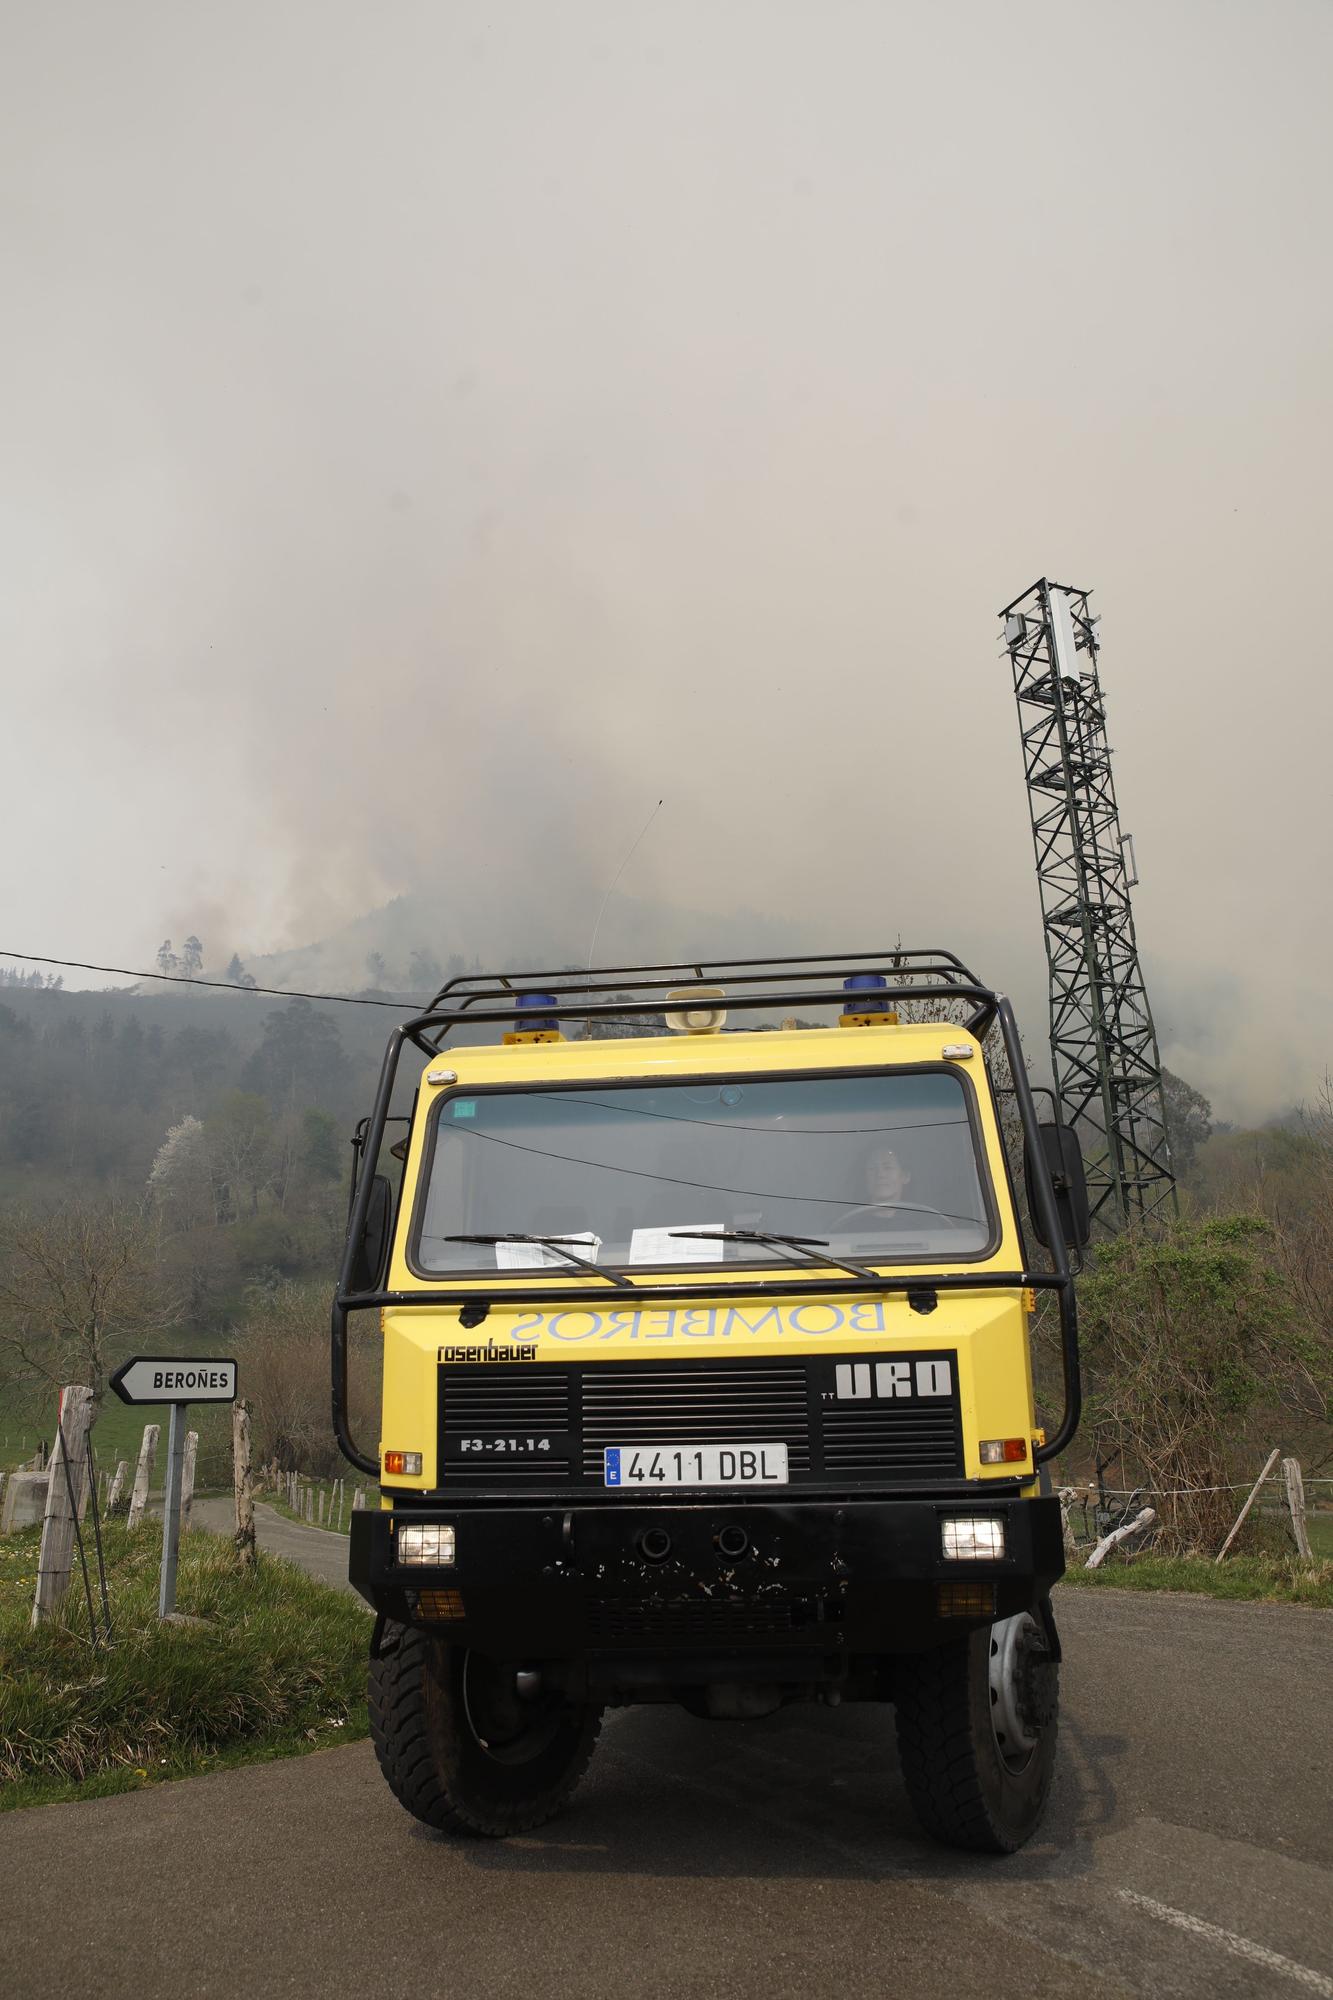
<point x="1179" y="1492"/>
<point x="1198" y="1519"/>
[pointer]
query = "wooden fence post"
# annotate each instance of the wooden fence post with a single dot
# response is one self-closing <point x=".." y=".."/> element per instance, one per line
<point x="1253" y="1495"/>
<point x="245" y="1492"/>
<point x="68" y="1482"/>
<point x="143" y="1473"/>
<point x="187" y="1475"/>
<point x="1067" y="1497"/>
<point x="1291" y="1472"/>
<point x="117" y="1485"/>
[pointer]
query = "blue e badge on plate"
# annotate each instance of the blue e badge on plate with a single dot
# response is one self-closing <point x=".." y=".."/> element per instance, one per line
<point x="611" y="1475"/>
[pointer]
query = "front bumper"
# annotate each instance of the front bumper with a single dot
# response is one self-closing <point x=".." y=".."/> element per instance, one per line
<point x="845" y="1578"/>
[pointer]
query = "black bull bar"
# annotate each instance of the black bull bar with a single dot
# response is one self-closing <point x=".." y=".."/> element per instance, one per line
<point x="842" y="1577"/>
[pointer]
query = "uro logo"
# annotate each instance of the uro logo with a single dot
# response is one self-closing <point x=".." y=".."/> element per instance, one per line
<point x="861" y="1380"/>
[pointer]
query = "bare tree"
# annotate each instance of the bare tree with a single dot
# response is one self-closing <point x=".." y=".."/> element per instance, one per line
<point x="240" y="1139"/>
<point x="284" y="1345"/>
<point x="77" y="1286"/>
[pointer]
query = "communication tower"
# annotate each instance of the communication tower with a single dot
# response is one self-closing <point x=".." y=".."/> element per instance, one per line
<point x="1108" y="1074"/>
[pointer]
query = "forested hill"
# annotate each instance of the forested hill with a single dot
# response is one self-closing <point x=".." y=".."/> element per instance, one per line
<point x="90" y="1083"/>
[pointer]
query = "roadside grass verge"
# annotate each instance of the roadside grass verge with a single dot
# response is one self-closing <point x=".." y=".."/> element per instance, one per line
<point x="1262" y="1579"/>
<point x="275" y="1668"/>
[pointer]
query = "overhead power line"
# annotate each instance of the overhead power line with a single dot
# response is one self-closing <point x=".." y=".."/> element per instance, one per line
<point x="221" y="985"/>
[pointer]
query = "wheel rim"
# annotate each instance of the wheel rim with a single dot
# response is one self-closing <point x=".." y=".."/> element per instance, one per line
<point x="510" y="1728"/>
<point x="1017" y="1647"/>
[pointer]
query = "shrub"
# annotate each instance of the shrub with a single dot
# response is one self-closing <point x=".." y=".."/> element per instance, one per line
<point x="1197" y="1351"/>
<point x="284" y="1362"/>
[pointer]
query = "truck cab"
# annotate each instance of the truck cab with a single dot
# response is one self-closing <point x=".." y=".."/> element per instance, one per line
<point x="707" y="1377"/>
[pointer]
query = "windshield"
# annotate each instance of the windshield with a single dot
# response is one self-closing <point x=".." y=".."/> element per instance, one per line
<point x="878" y="1167"/>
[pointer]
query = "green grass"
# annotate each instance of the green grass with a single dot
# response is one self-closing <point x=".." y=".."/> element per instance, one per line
<point x="277" y="1667"/>
<point x="1257" y="1579"/>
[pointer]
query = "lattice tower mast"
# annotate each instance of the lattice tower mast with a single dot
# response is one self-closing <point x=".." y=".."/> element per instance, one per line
<point x="1108" y="1073"/>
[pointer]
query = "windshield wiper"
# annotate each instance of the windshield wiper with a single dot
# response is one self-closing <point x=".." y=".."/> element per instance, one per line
<point x="557" y="1243"/>
<point x="768" y="1240"/>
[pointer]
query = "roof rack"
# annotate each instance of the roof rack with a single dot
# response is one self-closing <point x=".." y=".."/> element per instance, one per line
<point x="926" y="973"/>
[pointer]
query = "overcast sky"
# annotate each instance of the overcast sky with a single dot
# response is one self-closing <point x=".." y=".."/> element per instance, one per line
<point x="434" y="431"/>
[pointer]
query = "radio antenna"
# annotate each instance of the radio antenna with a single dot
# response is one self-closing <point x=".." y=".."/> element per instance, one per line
<point x="616" y="877"/>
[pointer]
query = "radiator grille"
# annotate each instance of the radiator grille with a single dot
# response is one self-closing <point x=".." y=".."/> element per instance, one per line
<point x="505" y="1399"/>
<point x="860" y="1440"/>
<point x="696" y="1402"/>
<point x="580" y="1409"/>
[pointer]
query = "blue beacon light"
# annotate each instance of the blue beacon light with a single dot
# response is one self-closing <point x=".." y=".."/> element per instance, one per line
<point x="545" y="1024"/>
<point x="864" y="1006"/>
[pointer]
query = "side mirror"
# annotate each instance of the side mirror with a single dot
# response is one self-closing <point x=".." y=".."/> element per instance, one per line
<point x="1064" y="1162"/>
<point x="373" y="1249"/>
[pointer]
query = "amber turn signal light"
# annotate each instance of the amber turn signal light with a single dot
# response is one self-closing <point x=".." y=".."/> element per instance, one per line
<point x="440" y="1605"/>
<point x="1004" y="1451"/>
<point x="965" y="1600"/>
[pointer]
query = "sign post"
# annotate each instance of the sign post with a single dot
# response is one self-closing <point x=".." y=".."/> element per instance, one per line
<point x="176" y="1380"/>
<point x="171" y="1511"/>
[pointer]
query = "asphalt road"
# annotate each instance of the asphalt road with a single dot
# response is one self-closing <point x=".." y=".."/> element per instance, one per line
<point x="1187" y="1852"/>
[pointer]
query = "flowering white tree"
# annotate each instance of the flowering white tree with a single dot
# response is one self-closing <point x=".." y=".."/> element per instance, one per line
<point x="181" y="1180"/>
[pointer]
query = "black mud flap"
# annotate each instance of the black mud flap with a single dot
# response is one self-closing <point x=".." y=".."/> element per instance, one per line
<point x="1047" y="1615"/>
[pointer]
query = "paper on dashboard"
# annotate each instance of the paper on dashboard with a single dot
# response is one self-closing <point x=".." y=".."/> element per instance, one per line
<point x="666" y="1246"/>
<point x="547" y="1256"/>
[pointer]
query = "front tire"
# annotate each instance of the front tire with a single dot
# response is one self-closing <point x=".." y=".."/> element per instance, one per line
<point x="462" y="1749"/>
<point x="977" y="1722"/>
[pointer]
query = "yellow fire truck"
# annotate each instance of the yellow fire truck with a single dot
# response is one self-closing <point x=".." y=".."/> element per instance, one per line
<point x="706" y="1376"/>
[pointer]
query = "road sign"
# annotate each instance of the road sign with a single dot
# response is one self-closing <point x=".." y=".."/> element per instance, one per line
<point x="175" y="1378"/>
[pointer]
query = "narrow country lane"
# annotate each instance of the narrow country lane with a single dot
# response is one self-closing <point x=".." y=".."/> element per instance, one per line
<point x="1187" y="1853"/>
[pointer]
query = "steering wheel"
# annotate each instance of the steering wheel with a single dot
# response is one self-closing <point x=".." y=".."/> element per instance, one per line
<point x="883" y="1212"/>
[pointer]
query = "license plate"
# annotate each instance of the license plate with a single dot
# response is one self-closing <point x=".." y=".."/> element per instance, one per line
<point x="645" y="1465"/>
